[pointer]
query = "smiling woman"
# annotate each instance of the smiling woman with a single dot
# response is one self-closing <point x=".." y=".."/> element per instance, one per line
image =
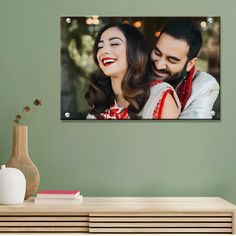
<point x="122" y="79"/>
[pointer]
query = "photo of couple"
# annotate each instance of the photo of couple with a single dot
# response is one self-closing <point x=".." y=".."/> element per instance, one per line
<point x="110" y="70"/>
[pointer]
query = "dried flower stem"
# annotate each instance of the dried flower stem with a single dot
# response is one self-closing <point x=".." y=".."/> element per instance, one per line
<point x="30" y="117"/>
<point x="28" y="111"/>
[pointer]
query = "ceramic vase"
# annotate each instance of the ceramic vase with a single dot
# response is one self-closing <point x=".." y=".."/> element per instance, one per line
<point x="12" y="186"/>
<point x="20" y="159"/>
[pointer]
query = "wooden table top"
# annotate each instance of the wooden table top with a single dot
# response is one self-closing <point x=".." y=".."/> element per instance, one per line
<point x="122" y="204"/>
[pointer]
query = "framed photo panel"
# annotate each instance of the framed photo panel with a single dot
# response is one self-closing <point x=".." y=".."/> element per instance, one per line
<point x="148" y="68"/>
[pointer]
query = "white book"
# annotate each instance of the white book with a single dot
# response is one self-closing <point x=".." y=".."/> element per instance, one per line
<point x="58" y="200"/>
<point x="70" y="194"/>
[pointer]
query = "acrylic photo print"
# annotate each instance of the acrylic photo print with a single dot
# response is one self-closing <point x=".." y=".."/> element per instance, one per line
<point x="148" y="68"/>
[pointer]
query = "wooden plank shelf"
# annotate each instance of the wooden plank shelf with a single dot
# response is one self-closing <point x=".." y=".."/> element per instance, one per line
<point x="121" y="215"/>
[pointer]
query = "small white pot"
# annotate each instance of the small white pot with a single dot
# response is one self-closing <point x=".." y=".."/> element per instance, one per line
<point x="12" y="186"/>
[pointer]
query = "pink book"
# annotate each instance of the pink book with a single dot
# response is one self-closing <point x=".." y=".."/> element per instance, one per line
<point x="71" y="194"/>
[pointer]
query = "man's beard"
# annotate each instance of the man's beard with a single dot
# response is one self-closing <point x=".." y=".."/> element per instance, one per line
<point x="176" y="78"/>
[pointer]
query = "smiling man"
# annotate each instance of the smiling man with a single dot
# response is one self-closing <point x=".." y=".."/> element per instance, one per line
<point x="173" y="60"/>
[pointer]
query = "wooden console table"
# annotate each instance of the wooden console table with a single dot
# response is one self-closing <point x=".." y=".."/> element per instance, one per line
<point x="122" y="215"/>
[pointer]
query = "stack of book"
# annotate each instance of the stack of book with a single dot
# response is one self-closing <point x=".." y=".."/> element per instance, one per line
<point x="58" y="196"/>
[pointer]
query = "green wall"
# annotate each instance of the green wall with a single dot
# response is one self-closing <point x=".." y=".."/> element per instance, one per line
<point x="132" y="158"/>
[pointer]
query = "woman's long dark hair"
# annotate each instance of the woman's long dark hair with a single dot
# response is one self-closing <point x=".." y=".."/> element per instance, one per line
<point x="100" y="95"/>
